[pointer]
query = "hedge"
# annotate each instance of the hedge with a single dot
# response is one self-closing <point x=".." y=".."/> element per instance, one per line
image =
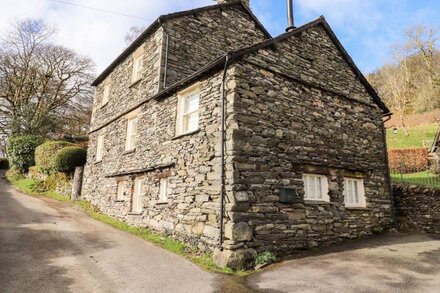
<point x="69" y="158"/>
<point x="46" y="153"/>
<point x="21" y="151"/>
<point x="4" y="164"/>
<point x="408" y="160"/>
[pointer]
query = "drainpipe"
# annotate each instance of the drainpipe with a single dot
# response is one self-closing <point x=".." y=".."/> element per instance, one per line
<point x="223" y="140"/>
<point x="388" y="178"/>
<point x="167" y="38"/>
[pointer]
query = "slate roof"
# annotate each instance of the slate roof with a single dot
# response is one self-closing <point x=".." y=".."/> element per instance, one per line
<point x="163" y="18"/>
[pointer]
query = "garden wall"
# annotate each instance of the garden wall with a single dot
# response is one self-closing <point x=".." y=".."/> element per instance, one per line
<point x="417" y="208"/>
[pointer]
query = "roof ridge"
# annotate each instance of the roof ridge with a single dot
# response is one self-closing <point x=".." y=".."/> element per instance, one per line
<point x="166" y="17"/>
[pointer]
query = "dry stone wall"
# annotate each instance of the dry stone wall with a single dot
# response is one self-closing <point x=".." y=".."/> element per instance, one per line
<point x="417" y="208"/>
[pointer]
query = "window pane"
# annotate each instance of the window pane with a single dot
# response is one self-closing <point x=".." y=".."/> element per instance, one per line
<point x="355" y="192"/>
<point x="191" y="103"/>
<point x="318" y="189"/>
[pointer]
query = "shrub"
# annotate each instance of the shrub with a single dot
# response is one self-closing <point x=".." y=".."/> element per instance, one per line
<point x="408" y="160"/>
<point x="46" y="153"/>
<point x="4" y="164"/>
<point x="70" y="157"/>
<point x="21" y="151"/>
<point x="265" y="257"/>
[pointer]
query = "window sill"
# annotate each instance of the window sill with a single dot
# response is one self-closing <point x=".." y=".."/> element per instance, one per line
<point x="186" y="134"/>
<point x="133" y="83"/>
<point x="129" y="152"/>
<point x="135" y="214"/>
<point x="318" y="202"/>
<point x="161" y="203"/>
<point x="357" y="208"/>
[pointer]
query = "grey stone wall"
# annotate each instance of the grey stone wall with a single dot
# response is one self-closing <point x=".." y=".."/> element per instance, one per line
<point x="285" y="129"/>
<point x="417" y="208"/>
<point x="196" y="40"/>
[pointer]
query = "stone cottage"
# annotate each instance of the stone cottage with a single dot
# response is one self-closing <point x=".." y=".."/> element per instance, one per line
<point x="208" y="129"/>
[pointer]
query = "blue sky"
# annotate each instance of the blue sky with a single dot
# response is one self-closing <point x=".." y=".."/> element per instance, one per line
<point x="367" y="28"/>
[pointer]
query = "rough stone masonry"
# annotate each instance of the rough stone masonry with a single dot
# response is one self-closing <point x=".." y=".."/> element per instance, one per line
<point x="294" y="105"/>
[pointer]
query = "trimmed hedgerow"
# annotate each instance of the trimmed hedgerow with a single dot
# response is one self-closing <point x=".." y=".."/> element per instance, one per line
<point x="69" y="158"/>
<point x="21" y="151"/>
<point x="46" y="153"/>
<point x="408" y="160"/>
<point x="4" y="164"/>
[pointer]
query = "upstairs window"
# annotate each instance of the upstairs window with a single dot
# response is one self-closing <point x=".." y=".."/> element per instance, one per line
<point x="106" y="95"/>
<point x="354" y="192"/>
<point x="316" y="187"/>
<point x="138" y="66"/>
<point x="130" y="143"/>
<point x="163" y="190"/>
<point x="188" y="112"/>
<point x="99" y="148"/>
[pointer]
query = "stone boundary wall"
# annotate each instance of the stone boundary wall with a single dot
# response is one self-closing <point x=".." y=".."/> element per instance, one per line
<point x="62" y="187"/>
<point x="417" y="208"/>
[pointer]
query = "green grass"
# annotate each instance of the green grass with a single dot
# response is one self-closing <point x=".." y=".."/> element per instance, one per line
<point x="415" y="138"/>
<point x="425" y="178"/>
<point x="204" y="260"/>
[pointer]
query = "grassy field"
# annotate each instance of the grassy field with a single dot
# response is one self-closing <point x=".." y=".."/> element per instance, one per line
<point x="424" y="178"/>
<point x="415" y="138"/>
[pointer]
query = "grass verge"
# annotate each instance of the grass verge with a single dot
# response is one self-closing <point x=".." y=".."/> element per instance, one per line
<point x="417" y="135"/>
<point x="204" y="260"/>
<point x="425" y="178"/>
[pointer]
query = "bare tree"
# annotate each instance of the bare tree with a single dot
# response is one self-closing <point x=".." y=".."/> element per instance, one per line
<point x="39" y="81"/>
<point x="133" y="33"/>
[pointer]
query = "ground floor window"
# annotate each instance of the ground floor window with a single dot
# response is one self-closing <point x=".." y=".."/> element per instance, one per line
<point x="138" y="194"/>
<point x="354" y="192"/>
<point x="123" y="190"/>
<point x="315" y="187"/>
<point x="163" y="190"/>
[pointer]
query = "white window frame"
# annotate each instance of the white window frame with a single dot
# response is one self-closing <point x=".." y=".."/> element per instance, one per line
<point x="138" y="66"/>
<point x="105" y="95"/>
<point x="99" y="148"/>
<point x="314" y="192"/>
<point x="137" y="204"/>
<point x="354" y="193"/>
<point x="130" y="141"/>
<point x="121" y="195"/>
<point x="163" y="190"/>
<point x="183" y="114"/>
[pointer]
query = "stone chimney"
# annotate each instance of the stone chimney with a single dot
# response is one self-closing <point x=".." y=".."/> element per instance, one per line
<point x="245" y="2"/>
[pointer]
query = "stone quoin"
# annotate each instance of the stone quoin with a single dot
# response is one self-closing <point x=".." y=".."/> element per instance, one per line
<point x="303" y="162"/>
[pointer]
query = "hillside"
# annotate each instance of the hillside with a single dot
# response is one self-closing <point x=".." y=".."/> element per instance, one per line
<point x="419" y="136"/>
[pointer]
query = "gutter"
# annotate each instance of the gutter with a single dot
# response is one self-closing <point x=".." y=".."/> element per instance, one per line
<point x="167" y="41"/>
<point x="222" y="151"/>
<point x="387" y="117"/>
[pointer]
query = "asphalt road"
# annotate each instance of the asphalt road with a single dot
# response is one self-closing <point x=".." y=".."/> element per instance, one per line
<point x="47" y="246"/>
<point x="393" y="263"/>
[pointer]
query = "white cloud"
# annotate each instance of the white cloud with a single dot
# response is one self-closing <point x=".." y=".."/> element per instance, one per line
<point x="96" y="34"/>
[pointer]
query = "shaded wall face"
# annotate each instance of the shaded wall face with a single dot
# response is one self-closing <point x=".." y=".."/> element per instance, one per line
<point x="417" y="208"/>
<point x="286" y="129"/>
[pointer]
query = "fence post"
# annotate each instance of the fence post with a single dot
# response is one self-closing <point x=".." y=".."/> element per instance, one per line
<point x="77" y="183"/>
<point x="401" y="171"/>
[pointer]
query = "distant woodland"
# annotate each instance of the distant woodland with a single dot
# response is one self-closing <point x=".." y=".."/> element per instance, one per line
<point x="410" y="83"/>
